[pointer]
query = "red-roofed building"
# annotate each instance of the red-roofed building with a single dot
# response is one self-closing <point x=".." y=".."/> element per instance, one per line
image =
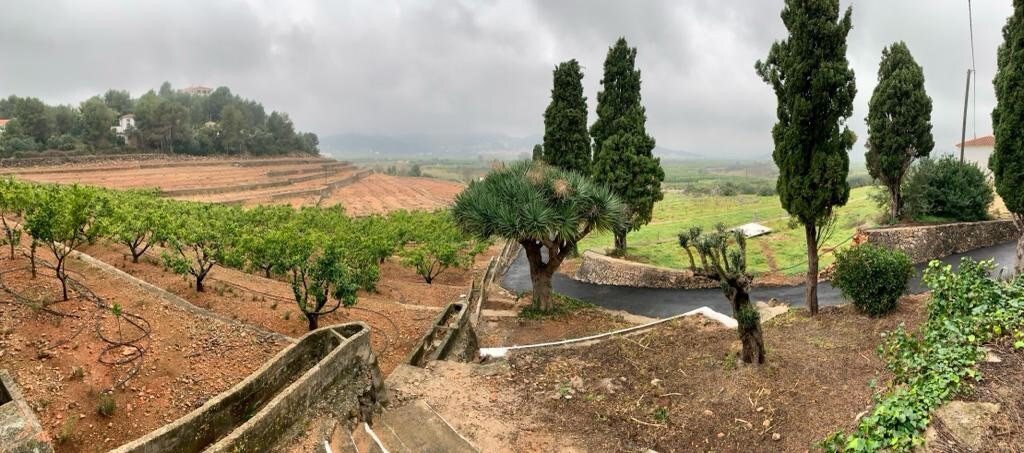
<point x="3" y="124"/>
<point x="977" y="150"/>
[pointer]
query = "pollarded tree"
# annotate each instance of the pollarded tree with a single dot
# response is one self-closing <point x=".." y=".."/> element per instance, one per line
<point x="815" y="88"/>
<point x="1007" y="161"/>
<point x="623" y="152"/>
<point x="566" y="140"/>
<point x="63" y="219"/>
<point x="723" y="258"/>
<point x="436" y="244"/>
<point x="200" y="236"/>
<point x="136" y="220"/>
<point x="545" y="209"/>
<point x="899" y="122"/>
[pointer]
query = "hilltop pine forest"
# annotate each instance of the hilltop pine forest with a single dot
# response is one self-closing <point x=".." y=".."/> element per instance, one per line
<point x="190" y="121"/>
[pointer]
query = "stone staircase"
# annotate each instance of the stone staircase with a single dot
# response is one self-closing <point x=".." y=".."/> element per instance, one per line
<point x="414" y="427"/>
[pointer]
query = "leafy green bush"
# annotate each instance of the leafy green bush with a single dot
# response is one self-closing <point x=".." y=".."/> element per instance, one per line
<point x="872" y="277"/>
<point x="948" y="189"/>
<point x="967" y="309"/>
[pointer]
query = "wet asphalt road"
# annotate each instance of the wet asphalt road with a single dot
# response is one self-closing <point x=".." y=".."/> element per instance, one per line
<point x="660" y="303"/>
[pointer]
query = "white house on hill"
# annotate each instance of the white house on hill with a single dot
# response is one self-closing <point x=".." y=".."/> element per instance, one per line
<point x="124" y="123"/>
<point x="977" y="150"/>
<point x="197" y="90"/>
<point x="3" y="124"/>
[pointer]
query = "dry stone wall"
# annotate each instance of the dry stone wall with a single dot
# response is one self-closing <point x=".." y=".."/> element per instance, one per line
<point x="602" y="270"/>
<point x="923" y="243"/>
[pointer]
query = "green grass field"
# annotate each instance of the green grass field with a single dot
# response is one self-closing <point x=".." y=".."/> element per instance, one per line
<point x="782" y="250"/>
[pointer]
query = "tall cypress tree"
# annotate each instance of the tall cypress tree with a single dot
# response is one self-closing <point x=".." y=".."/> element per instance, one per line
<point x="899" y="122"/>
<point x="1007" y="161"/>
<point x="815" y="87"/>
<point x="566" y="140"/>
<point x="623" y="152"/>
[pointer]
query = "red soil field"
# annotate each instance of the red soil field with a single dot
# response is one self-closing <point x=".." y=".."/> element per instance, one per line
<point x="299" y="182"/>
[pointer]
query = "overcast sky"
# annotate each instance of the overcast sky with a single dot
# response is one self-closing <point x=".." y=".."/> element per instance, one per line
<point x="397" y="67"/>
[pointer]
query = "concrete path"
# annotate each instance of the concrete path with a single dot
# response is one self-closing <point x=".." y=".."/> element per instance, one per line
<point x="661" y="303"/>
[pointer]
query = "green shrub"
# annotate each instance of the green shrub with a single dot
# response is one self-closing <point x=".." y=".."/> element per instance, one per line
<point x="948" y="189"/>
<point x="872" y="277"/>
<point x="106" y="405"/>
<point x="939" y="362"/>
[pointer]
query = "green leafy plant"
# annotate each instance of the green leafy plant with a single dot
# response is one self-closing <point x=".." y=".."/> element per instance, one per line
<point x="436" y="245"/>
<point x="872" y="277"/>
<point x="541" y="207"/>
<point x="200" y="236"/>
<point x="946" y="188"/>
<point x="106" y="406"/>
<point x="967" y="309"/>
<point x="63" y="219"/>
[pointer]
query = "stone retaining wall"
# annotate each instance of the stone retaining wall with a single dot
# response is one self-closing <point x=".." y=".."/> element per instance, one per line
<point x="331" y="369"/>
<point x="20" y="431"/>
<point x="927" y="242"/>
<point x="602" y="270"/>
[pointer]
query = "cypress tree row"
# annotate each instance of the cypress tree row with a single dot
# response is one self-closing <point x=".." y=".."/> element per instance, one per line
<point x="815" y="87"/>
<point x="1007" y="161"/>
<point x="899" y="122"/>
<point x="566" y="140"/>
<point x="623" y="152"/>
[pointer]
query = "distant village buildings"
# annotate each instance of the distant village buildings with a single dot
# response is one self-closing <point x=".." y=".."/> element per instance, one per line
<point x="197" y="90"/>
<point x="3" y="124"/>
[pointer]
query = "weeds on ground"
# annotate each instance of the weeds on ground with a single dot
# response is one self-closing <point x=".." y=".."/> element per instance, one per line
<point x="67" y="431"/>
<point x="563" y="305"/>
<point x="77" y="374"/>
<point x="106" y="405"/>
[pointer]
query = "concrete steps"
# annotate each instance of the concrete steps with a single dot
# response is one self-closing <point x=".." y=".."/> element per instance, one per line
<point x="412" y="428"/>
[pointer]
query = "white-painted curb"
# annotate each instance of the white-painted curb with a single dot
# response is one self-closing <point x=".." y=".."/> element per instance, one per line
<point x="707" y="312"/>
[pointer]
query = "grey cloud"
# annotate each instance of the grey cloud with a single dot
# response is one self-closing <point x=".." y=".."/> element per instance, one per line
<point x="398" y="67"/>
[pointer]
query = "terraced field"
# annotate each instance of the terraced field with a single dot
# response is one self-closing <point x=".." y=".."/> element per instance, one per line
<point x="248" y="182"/>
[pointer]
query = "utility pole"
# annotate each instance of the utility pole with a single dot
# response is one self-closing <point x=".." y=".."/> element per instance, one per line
<point x="963" y="129"/>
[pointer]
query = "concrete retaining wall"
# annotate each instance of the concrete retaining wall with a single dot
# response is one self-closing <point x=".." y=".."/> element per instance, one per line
<point x="20" y="431"/>
<point x="330" y="369"/>
<point x="603" y="270"/>
<point x="927" y="242"/>
<point x="450" y="334"/>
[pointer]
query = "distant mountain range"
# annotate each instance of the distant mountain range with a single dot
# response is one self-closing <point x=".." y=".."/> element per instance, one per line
<point x="423" y="146"/>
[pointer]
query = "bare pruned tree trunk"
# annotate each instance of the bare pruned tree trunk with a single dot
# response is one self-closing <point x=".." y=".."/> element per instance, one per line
<point x="811" y="289"/>
<point x="1018" y="266"/>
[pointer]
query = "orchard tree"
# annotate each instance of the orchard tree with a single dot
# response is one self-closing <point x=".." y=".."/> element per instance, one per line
<point x="623" y="152"/>
<point x="262" y="238"/>
<point x="1007" y="161"/>
<point x="199" y="236"/>
<point x="899" y="122"/>
<point x="723" y="258"/>
<point x="15" y="199"/>
<point x="63" y="219"/>
<point x="545" y="209"/>
<point x="321" y="280"/>
<point x="436" y="245"/>
<point x="136" y="220"/>
<point x="566" y="140"/>
<point x="815" y="87"/>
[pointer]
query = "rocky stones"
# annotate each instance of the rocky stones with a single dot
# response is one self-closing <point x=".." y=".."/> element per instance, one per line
<point x="967" y="422"/>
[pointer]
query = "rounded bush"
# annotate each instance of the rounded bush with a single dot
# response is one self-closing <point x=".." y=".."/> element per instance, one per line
<point x="948" y="189"/>
<point x="872" y="277"/>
